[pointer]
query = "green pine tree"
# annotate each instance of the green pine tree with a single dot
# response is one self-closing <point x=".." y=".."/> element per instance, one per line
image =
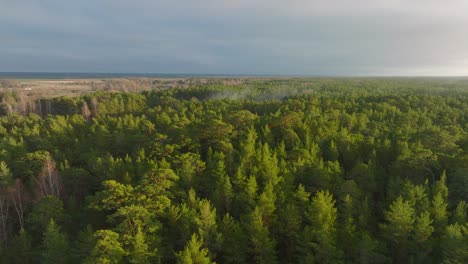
<point x="261" y="245"/>
<point x="194" y="253"/>
<point x="139" y="252"/>
<point x="398" y="228"/>
<point x="20" y="251"/>
<point x="55" y="246"/>
<point x="320" y="234"/>
<point x="107" y="249"/>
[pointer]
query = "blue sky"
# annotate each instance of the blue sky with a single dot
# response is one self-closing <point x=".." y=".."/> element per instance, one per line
<point x="300" y="37"/>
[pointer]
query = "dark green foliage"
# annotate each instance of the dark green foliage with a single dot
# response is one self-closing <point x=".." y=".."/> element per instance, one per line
<point x="234" y="241"/>
<point x="83" y="245"/>
<point x="270" y="171"/>
<point x="261" y="246"/>
<point x="47" y="209"/>
<point x="20" y="249"/>
<point x="55" y="245"/>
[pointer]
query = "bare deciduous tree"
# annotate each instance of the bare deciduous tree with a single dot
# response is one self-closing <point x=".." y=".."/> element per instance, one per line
<point x="85" y="111"/>
<point x="17" y="197"/>
<point x="94" y="106"/>
<point x="4" y="214"/>
<point x="49" y="181"/>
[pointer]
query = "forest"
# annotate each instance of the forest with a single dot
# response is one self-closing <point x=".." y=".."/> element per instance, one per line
<point x="293" y="170"/>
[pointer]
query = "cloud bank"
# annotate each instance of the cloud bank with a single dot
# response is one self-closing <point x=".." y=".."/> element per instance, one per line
<point x="295" y="37"/>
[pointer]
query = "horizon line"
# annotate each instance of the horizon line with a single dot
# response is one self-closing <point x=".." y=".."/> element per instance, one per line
<point x="23" y="74"/>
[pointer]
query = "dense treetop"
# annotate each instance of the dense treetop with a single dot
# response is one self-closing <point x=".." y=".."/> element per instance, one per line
<point x="316" y="170"/>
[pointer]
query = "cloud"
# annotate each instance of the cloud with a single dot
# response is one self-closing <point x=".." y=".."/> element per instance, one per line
<point x="347" y="37"/>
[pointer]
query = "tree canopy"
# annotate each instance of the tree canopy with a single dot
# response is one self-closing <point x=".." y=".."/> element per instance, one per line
<point x="290" y="170"/>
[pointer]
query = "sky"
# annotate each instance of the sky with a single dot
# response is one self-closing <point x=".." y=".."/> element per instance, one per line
<point x="287" y="37"/>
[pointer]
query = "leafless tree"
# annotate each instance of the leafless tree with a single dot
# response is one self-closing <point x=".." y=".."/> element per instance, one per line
<point x="85" y="111"/>
<point x="94" y="106"/>
<point x="16" y="194"/>
<point x="49" y="181"/>
<point x="4" y="215"/>
<point x="48" y="105"/>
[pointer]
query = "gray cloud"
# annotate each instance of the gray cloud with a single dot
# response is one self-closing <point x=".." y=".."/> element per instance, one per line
<point x="347" y="37"/>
